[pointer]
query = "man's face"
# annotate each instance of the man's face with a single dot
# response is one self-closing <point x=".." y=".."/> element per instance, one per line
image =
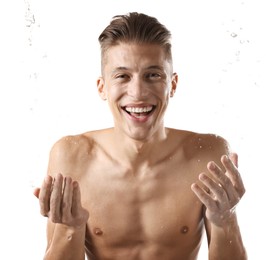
<point x="137" y="82"/>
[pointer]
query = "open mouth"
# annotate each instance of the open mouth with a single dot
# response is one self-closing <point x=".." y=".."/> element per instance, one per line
<point x="139" y="112"/>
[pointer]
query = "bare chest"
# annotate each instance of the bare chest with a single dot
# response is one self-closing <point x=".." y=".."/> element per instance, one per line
<point x="157" y="208"/>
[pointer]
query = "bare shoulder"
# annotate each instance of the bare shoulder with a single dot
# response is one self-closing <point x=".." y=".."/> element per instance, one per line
<point x="208" y="147"/>
<point x="202" y="144"/>
<point x="72" y="145"/>
<point x="207" y="142"/>
<point x="70" y="153"/>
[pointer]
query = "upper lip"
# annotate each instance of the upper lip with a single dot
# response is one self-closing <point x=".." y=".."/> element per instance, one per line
<point x="138" y="105"/>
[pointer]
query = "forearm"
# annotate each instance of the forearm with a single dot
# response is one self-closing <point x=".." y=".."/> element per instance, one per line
<point x="226" y="242"/>
<point x="67" y="243"/>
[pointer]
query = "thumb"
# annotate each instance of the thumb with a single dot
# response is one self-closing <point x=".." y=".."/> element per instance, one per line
<point x="234" y="158"/>
<point x="36" y="192"/>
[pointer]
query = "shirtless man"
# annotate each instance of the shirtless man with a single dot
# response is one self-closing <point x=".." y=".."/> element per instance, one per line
<point x="139" y="190"/>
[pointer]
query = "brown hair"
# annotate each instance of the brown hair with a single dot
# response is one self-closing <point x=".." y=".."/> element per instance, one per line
<point x="135" y="28"/>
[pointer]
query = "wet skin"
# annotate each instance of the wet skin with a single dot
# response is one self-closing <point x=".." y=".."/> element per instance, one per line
<point x="138" y="190"/>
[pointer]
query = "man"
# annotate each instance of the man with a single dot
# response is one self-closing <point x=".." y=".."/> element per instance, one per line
<point x="140" y="190"/>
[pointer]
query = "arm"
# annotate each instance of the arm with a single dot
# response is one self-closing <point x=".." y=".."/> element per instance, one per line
<point x="224" y="190"/>
<point x="60" y="201"/>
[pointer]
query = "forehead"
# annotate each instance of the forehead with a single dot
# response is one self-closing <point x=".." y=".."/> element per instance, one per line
<point x="131" y="55"/>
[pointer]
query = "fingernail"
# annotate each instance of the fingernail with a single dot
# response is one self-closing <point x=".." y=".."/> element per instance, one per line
<point x="212" y="165"/>
<point x="202" y="176"/>
<point x="226" y="158"/>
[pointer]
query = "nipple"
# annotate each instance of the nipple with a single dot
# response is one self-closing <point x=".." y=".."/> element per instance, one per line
<point x="184" y="229"/>
<point x="98" y="231"/>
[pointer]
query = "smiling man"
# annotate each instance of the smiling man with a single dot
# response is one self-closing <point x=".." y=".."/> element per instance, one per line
<point x="140" y="190"/>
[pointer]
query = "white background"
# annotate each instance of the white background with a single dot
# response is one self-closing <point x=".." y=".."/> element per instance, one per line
<point x="49" y="66"/>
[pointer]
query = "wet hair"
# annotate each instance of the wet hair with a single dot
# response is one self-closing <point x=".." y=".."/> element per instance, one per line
<point x="135" y="28"/>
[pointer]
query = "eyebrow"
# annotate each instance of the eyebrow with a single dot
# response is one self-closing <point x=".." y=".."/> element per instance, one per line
<point x="147" y="68"/>
<point x="155" y="67"/>
<point x="119" y="69"/>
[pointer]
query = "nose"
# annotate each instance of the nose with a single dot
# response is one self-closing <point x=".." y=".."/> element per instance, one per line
<point x="137" y="89"/>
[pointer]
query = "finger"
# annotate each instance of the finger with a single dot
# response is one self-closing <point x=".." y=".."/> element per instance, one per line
<point x="204" y="197"/>
<point x="234" y="158"/>
<point x="36" y="192"/>
<point x="76" y="200"/>
<point x="67" y="200"/>
<point x="56" y="199"/>
<point x="230" y="165"/>
<point x="233" y="174"/>
<point x="44" y="195"/>
<point x="216" y="189"/>
<point x="225" y="183"/>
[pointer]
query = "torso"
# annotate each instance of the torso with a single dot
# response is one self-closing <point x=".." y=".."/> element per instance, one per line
<point x="146" y="213"/>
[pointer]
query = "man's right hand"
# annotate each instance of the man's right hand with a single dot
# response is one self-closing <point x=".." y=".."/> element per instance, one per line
<point x="60" y="201"/>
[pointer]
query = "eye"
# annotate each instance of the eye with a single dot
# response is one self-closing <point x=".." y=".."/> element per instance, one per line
<point x="153" y="76"/>
<point x="121" y="76"/>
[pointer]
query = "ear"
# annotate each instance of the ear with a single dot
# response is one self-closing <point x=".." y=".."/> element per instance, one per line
<point x="101" y="88"/>
<point x="174" y="82"/>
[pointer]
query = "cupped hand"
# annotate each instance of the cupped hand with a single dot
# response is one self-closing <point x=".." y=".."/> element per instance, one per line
<point x="221" y="191"/>
<point x="60" y="201"/>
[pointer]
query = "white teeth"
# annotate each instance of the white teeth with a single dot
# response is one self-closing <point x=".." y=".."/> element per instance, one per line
<point x="138" y="109"/>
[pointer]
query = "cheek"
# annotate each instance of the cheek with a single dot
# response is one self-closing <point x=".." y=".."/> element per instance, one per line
<point x="163" y="93"/>
<point x="114" y="98"/>
<point x="113" y="93"/>
<point x="165" y="96"/>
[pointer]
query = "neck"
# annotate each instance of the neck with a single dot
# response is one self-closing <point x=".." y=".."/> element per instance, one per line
<point x="137" y="152"/>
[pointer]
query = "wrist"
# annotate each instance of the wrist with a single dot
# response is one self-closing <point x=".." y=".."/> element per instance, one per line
<point x="227" y="225"/>
<point x="228" y="218"/>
